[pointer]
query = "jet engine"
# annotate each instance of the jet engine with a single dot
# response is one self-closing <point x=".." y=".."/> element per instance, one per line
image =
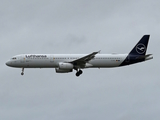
<point x="65" y="66"/>
<point x="63" y="71"/>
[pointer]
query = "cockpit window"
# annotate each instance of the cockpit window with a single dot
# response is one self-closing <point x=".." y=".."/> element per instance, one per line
<point x="13" y="58"/>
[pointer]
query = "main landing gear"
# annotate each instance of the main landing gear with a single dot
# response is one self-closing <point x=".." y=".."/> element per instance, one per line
<point x="22" y="73"/>
<point x="78" y="73"/>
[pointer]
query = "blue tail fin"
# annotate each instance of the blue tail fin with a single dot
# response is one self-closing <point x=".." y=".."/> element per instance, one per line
<point x="137" y="54"/>
<point x="141" y="46"/>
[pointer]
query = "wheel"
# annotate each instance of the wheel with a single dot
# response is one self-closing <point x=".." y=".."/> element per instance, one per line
<point x="77" y="74"/>
<point x="22" y="73"/>
<point x="80" y="72"/>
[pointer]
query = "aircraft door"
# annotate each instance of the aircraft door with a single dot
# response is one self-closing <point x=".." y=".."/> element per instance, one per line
<point x="128" y="59"/>
<point x="52" y="59"/>
<point x="22" y="59"/>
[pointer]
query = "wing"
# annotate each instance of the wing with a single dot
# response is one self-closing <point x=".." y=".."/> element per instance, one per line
<point x="81" y="62"/>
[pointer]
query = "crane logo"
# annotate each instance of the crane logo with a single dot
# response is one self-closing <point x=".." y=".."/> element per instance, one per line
<point x="141" y="48"/>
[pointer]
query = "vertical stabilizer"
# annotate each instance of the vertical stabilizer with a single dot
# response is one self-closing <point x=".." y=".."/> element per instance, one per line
<point x="141" y="46"/>
<point x="137" y="54"/>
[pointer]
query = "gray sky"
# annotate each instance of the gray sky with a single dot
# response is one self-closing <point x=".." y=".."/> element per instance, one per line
<point x="79" y="26"/>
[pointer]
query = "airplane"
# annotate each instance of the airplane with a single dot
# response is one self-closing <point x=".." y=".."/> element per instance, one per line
<point x="65" y="63"/>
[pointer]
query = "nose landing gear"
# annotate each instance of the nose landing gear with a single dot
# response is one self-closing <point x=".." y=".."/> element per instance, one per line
<point x="78" y="73"/>
<point x="22" y="73"/>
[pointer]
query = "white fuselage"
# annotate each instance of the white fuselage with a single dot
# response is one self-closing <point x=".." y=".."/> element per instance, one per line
<point x="64" y="63"/>
<point x="53" y="60"/>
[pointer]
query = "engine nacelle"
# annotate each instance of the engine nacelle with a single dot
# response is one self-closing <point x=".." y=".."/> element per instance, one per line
<point x="63" y="71"/>
<point x="65" y="66"/>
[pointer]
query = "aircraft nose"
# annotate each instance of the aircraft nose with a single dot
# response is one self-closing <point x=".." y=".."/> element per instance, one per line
<point x="8" y="63"/>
